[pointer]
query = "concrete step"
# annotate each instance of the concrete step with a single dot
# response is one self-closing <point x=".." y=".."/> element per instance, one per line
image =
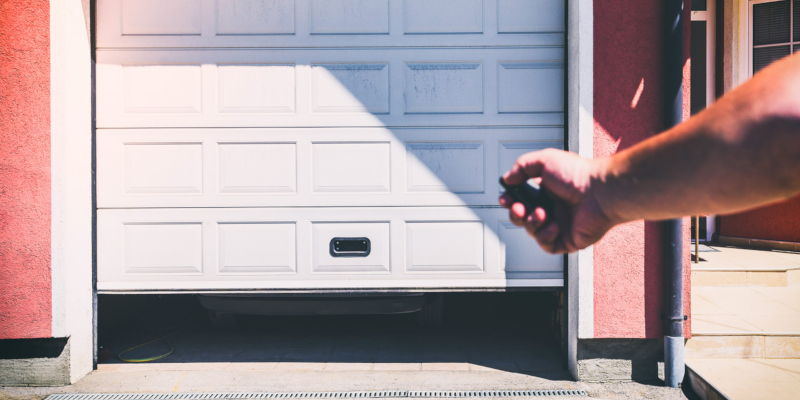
<point x="745" y="322"/>
<point x="744" y="345"/>
<point x="733" y="266"/>
<point x="776" y="277"/>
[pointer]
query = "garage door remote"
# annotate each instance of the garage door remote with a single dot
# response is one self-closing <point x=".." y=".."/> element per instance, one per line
<point x="530" y="197"/>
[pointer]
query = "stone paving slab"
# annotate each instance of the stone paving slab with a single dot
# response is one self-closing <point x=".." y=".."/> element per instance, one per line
<point x="752" y="378"/>
<point x="739" y="310"/>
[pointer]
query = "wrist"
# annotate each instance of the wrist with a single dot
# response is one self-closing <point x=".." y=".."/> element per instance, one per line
<point x="603" y="178"/>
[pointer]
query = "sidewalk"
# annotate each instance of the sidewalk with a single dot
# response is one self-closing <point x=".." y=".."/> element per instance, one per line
<point x="746" y="322"/>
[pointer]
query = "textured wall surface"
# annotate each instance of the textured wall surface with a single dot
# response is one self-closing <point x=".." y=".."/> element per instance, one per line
<point x="628" y="108"/>
<point x="779" y="221"/>
<point x="48" y="364"/>
<point x="25" y="296"/>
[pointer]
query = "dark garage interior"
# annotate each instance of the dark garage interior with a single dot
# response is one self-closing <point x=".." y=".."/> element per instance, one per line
<point x="507" y="331"/>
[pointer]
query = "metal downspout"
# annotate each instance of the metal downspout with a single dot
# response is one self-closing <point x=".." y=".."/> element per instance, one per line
<point x="674" y="367"/>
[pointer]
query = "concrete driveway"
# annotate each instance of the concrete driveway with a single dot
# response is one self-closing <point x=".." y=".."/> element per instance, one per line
<point x="489" y="342"/>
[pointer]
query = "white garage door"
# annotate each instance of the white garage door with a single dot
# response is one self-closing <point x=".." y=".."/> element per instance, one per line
<point x="238" y="140"/>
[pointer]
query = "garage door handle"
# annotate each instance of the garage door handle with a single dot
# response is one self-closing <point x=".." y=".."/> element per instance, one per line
<point x="350" y="247"/>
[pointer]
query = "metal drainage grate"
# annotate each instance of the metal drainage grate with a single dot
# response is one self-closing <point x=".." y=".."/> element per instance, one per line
<point x="316" y="395"/>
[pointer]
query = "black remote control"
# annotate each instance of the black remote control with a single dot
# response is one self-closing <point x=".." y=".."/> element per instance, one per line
<point x="530" y="197"/>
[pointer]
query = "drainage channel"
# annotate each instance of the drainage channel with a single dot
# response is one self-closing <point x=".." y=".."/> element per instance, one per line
<point x="316" y="395"/>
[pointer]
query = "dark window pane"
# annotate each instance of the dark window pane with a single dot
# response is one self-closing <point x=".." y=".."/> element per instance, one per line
<point x="698" y="5"/>
<point x="698" y="52"/>
<point x="771" y="23"/>
<point x="766" y="55"/>
<point x="796" y="21"/>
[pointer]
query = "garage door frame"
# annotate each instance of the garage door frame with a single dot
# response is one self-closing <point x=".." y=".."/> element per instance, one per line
<point x="131" y="82"/>
<point x="73" y="268"/>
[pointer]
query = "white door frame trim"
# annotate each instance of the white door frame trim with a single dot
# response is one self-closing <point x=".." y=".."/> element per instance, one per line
<point x="580" y="139"/>
<point x="71" y="181"/>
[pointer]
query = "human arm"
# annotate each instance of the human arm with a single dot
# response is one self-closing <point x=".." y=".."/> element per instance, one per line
<point x="743" y="151"/>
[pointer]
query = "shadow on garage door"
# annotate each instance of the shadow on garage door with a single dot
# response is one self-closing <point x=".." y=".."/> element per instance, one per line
<point x="512" y="332"/>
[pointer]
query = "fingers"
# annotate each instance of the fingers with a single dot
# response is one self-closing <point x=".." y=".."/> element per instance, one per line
<point x="528" y="165"/>
<point x="549" y="238"/>
<point x="517" y="214"/>
<point x="516" y="211"/>
<point x="547" y="233"/>
<point x="532" y="223"/>
<point x="536" y="222"/>
<point x="506" y="200"/>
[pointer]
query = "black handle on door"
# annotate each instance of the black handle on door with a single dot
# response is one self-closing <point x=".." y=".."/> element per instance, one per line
<point x="350" y="247"/>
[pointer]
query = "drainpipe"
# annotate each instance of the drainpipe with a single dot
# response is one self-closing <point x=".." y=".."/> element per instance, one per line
<point x="673" y="331"/>
<point x="673" y="229"/>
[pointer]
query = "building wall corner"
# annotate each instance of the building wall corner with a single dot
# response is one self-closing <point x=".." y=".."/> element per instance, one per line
<point x="71" y="170"/>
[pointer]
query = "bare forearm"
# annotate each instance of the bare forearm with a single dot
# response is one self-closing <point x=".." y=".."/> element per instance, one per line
<point x="741" y="152"/>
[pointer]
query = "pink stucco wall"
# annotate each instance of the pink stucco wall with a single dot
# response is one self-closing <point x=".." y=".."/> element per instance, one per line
<point x="628" y="107"/>
<point x="779" y="221"/>
<point x="25" y="295"/>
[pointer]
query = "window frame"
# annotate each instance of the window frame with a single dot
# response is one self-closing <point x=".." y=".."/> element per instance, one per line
<point x="749" y="42"/>
<point x="709" y="17"/>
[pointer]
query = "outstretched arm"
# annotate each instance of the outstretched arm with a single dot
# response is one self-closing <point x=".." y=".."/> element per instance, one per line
<point x="743" y="151"/>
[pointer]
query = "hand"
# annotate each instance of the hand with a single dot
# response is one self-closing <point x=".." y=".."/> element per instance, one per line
<point x="579" y="220"/>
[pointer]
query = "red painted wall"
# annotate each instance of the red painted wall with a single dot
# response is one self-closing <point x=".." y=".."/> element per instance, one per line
<point x="628" y="108"/>
<point x="25" y="295"/>
<point x="779" y="221"/>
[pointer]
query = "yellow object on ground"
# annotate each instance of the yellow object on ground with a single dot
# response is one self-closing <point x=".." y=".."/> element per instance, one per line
<point x="158" y="357"/>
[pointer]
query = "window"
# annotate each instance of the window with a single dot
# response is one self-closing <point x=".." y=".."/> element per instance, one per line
<point x="775" y="29"/>
<point x="699" y="5"/>
<point x="703" y="37"/>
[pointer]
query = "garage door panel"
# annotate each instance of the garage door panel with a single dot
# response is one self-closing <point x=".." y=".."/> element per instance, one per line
<point x="256" y="248"/>
<point x="309" y="166"/>
<point x="237" y="139"/>
<point x="146" y="164"/>
<point x="275" y="163"/>
<point x="530" y="16"/>
<point x="456" y="167"/>
<point x="530" y="87"/>
<point x="443" y="16"/>
<point x="167" y="89"/>
<point x="351" y="167"/>
<point x="160" y="18"/>
<point x="435" y="247"/>
<point x="250" y="17"/>
<point x="448" y="88"/>
<point x="162" y="248"/>
<point x="350" y="87"/>
<point x="257" y="88"/>
<point x="263" y="248"/>
<point x="328" y="23"/>
<point x="349" y="17"/>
